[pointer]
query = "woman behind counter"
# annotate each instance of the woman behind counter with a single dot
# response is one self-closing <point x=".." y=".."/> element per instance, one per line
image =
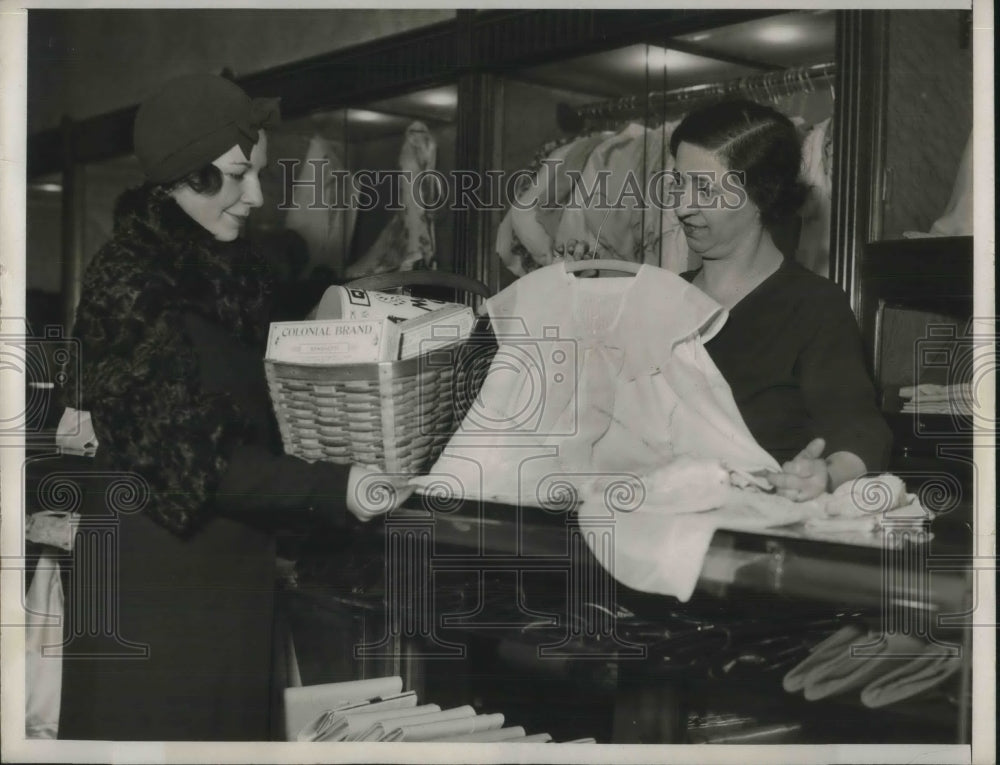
<point x="791" y="349"/>
<point x="172" y="321"/>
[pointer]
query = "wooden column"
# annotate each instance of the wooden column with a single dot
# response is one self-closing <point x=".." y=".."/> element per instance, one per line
<point x="859" y="144"/>
<point x="478" y="148"/>
<point x="480" y="111"/>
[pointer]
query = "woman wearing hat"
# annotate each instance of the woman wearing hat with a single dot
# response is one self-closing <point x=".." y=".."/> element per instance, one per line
<point x="171" y="324"/>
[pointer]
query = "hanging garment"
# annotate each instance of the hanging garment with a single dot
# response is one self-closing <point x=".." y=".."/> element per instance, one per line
<point x="813" y="250"/>
<point x="608" y="190"/>
<point x="327" y="230"/>
<point x="596" y="376"/>
<point x="601" y="394"/>
<point x="409" y="238"/>
<point x="956" y="220"/>
<point x="43" y="646"/>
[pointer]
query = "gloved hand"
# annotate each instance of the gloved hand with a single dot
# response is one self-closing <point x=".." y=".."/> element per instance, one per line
<point x="371" y="492"/>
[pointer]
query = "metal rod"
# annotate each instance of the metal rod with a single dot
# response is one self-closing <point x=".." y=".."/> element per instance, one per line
<point x="783" y="82"/>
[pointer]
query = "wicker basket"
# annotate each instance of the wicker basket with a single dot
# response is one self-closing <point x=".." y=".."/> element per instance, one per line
<point x="393" y="415"/>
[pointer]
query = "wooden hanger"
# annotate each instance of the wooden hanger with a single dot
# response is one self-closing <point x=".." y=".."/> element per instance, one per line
<point x="602" y="264"/>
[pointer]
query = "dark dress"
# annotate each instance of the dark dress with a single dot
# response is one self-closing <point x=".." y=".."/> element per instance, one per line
<point x="791" y="352"/>
<point x="170" y="618"/>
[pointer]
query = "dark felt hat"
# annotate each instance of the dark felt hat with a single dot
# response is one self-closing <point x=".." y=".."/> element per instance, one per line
<point x="193" y="120"/>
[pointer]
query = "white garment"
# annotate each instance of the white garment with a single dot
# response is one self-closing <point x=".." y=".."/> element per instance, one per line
<point x="813" y="249"/>
<point x="595" y="376"/>
<point x="408" y="239"/>
<point x="601" y="393"/>
<point x="957" y="217"/>
<point x="658" y="549"/>
<point x="608" y="215"/>
<point x="661" y="545"/>
<point x="956" y="220"/>
<point x="325" y="221"/>
<point x="43" y="651"/>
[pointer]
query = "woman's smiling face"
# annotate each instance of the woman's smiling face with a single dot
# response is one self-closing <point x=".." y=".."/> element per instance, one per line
<point x="224" y="213"/>
<point x="713" y="225"/>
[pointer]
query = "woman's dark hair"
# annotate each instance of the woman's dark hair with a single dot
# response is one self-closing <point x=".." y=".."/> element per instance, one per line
<point x="205" y="180"/>
<point x="759" y="142"/>
<point x="151" y="204"/>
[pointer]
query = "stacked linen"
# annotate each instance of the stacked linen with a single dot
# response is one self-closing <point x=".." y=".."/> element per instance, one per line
<point x="379" y="710"/>
<point x="955" y="399"/>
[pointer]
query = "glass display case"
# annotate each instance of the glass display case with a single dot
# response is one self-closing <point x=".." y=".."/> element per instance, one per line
<point x="365" y="217"/>
<point x="613" y="111"/>
<point x="928" y="124"/>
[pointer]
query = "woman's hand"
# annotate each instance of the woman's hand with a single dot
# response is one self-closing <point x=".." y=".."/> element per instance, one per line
<point x="805" y="477"/>
<point x="371" y="493"/>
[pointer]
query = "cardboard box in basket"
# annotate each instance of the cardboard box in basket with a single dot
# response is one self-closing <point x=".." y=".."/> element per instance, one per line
<point x="340" y="341"/>
<point x="340" y="394"/>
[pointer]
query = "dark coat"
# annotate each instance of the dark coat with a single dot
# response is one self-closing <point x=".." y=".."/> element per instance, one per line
<point x="169" y="613"/>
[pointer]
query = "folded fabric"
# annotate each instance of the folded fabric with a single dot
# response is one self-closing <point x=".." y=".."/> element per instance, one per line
<point x="663" y="523"/>
<point x="867" y="496"/>
<point x="359" y="724"/>
<point x="487" y="736"/>
<point x="821" y="654"/>
<point x="866" y="504"/>
<point x="957" y="397"/>
<point x="935" y="391"/>
<point x="658" y="549"/>
<point x="843" y="672"/>
<point x="53" y="528"/>
<point x="303" y="705"/>
<point x="952" y="407"/>
<point x="387" y="731"/>
<point x="337" y="724"/>
<point x="537" y="738"/>
<point x="916" y="676"/>
<point x="431" y="731"/>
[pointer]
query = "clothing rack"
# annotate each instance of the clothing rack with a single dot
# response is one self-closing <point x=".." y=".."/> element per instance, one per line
<point x="768" y="85"/>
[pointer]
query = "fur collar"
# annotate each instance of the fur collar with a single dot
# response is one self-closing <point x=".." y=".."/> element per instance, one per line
<point x="139" y="375"/>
